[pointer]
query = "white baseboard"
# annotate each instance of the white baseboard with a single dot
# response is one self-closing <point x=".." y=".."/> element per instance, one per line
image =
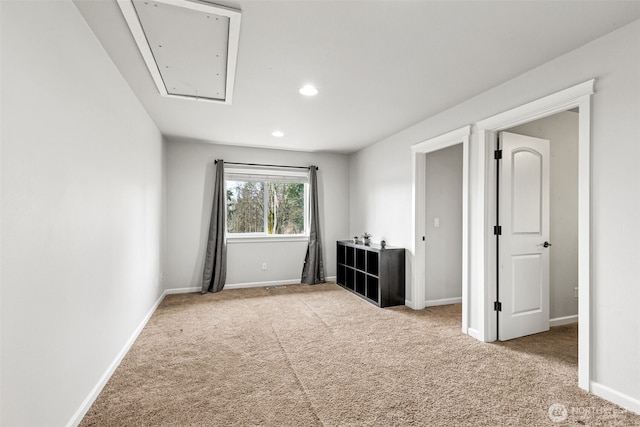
<point x="243" y="285"/>
<point x="566" y="320"/>
<point x="183" y="290"/>
<point x="261" y="284"/>
<point x="271" y="283"/>
<point x="473" y="333"/>
<point x="444" y="301"/>
<point x="93" y="395"/>
<point x="627" y="402"/>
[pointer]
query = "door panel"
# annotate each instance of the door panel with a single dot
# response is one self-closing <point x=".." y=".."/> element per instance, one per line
<point x="526" y="191"/>
<point x="525" y="270"/>
<point x="523" y="285"/>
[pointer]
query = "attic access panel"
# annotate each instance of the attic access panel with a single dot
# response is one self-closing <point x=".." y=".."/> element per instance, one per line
<point x="190" y="47"/>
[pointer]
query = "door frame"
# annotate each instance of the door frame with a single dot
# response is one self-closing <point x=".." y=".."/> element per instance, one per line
<point x="419" y="161"/>
<point x="484" y="242"/>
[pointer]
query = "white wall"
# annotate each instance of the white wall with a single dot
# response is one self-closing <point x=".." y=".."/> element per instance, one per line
<point x="562" y="130"/>
<point x="443" y="249"/>
<point x="81" y="213"/>
<point x="381" y="188"/>
<point x="190" y="178"/>
<point x="380" y="197"/>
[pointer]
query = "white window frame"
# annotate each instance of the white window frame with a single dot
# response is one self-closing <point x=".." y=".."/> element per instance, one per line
<point x="269" y="173"/>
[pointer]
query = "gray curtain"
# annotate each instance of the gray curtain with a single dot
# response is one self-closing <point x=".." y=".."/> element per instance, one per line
<point x="313" y="269"/>
<point x="215" y="261"/>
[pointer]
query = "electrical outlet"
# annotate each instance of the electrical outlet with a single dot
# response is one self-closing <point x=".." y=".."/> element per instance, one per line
<point x="264" y="266"/>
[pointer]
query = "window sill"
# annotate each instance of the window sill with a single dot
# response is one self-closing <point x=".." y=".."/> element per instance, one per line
<point x="267" y="239"/>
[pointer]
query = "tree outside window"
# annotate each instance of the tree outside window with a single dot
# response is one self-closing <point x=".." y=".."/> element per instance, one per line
<point x="267" y="206"/>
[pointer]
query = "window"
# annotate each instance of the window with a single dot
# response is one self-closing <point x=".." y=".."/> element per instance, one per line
<point x="266" y="202"/>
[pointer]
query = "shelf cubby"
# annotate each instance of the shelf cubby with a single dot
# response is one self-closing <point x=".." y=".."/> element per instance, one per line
<point x="361" y="257"/>
<point x="349" y="255"/>
<point x="372" y="262"/>
<point x="373" y="290"/>
<point x="361" y="282"/>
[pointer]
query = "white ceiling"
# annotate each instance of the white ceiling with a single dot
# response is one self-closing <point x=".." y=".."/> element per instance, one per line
<point x="380" y="66"/>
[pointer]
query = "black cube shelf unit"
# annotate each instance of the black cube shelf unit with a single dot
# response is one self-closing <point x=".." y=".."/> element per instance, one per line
<point x="374" y="273"/>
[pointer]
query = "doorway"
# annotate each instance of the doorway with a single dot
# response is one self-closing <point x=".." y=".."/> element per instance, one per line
<point x="578" y="96"/>
<point x="443" y="227"/>
<point x="561" y="253"/>
<point x="420" y="151"/>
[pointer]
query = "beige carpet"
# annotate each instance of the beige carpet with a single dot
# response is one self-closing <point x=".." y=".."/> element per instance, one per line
<point x="319" y="355"/>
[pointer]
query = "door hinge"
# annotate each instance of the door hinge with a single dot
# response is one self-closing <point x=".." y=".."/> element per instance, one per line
<point x="497" y="154"/>
<point x="497" y="230"/>
<point x="497" y="306"/>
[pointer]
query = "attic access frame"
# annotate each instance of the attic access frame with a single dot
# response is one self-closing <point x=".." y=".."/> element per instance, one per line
<point x="207" y="10"/>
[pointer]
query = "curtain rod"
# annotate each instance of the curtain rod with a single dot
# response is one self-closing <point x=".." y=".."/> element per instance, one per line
<point x="265" y="165"/>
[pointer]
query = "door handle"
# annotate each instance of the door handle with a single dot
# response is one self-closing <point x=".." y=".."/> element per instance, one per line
<point x="546" y="244"/>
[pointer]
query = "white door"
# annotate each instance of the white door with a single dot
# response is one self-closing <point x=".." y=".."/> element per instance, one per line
<point x="523" y="249"/>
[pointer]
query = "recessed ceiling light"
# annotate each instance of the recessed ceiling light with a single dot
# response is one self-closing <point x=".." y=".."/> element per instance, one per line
<point x="308" y="90"/>
<point x="277" y="134"/>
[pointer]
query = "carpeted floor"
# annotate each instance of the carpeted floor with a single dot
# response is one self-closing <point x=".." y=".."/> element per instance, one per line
<point x="320" y="356"/>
